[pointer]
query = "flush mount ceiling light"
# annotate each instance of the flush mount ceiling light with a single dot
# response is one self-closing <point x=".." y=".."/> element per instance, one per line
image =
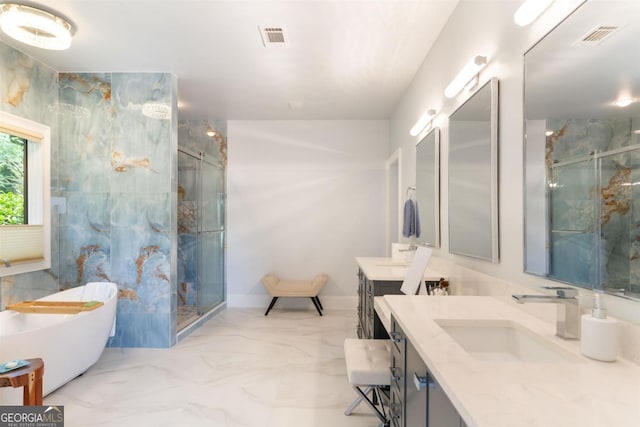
<point x="423" y="122"/>
<point x="35" y="27"/>
<point x="156" y="110"/>
<point x="624" y="102"/>
<point x="468" y="73"/>
<point x="529" y="11"/>
<point x="73" y="110"/>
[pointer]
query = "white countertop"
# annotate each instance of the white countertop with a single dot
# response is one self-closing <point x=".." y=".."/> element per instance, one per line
<point x="383" y="311"/>
<point x="389" y="269"/>
<point x="581" y="393"/>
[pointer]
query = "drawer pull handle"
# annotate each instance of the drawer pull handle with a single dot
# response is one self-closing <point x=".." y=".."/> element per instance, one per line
<point x="396" y="337"/>
<point x="422" y="382"/>
<point x="395" y="377"/>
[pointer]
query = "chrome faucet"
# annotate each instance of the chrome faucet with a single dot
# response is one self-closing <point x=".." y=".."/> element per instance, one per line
<point x="412" y="247"/>
<point x="568" y="316"/>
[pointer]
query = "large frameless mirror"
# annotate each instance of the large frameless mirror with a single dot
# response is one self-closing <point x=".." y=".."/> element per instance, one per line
<point x="473" y="175"/>
<point x="428" y="187"/>
<point x="582" y="151"/>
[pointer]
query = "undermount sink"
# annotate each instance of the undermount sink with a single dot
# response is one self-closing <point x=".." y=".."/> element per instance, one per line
<point x="393" y="264"/>
<point x="499" y="340"/>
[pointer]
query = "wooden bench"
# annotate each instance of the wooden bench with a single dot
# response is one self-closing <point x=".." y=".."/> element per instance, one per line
<point x="294" y="289"/>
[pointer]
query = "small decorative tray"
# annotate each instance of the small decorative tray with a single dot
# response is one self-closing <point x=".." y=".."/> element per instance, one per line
<point x="12" y="365"/>
<point x="54" y="307"/>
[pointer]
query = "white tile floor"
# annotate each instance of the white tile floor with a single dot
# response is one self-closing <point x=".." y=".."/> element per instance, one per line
<point x="239" y="369"/>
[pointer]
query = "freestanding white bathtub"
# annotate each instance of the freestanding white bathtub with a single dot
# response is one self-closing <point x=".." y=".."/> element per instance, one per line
<point x="67" y="343"/>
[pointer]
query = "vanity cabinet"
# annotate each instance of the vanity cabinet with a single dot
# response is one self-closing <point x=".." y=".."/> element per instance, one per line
<point x="416" y="398"/>
<point x="369" y="324"/>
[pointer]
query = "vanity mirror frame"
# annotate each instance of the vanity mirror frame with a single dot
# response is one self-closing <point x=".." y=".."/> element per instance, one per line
<point x="428" y="187"/>
<point x="582" y="152"/>
<point x="473" y="175"/>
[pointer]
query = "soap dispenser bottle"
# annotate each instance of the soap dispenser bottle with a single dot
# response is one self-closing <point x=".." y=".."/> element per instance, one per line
<point x="599" y="334"/>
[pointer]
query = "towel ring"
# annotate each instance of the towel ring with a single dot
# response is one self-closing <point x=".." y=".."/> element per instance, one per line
<point x="410" y="189"/>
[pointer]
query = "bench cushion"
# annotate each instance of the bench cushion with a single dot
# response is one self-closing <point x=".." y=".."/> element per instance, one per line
<point x="294" y="288"/>
<point x="367" y="361"/>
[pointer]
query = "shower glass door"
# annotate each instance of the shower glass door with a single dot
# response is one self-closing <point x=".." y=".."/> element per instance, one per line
<point x="201" y="199"/>
<point x="188" y="220"/>
<point x="211" y="236"/>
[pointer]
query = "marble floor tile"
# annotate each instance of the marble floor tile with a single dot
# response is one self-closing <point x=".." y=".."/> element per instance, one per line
<point x="240" y="369"/>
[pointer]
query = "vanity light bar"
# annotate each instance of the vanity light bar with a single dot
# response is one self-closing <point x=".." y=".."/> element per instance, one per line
<point x="423" y="121"/>
<point x="529" y="11"/>
<point x="473" y="67"/>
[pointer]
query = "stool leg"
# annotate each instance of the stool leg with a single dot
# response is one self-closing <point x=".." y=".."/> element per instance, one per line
<point x="319" y="303"/>
<point x="373" y="407"/>
<point x="378" y="396"/>
<point x="38" y="386"/>
<point x="317" y="306"/>
<point x="32" y="391"/>
<point x="273" y="302"/>
<point x="356" y="402"/>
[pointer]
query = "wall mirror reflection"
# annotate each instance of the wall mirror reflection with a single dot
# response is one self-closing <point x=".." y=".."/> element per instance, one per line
<point x="473" y="175"/>
<point x="428" y="187"/>
<point x="582" y="151"/>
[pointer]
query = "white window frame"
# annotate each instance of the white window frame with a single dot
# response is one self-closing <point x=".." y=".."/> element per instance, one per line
<point x="38" y="193"/>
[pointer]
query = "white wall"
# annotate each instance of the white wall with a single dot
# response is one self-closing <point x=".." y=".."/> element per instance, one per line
<point x="484" y="27"/>
<point x="303" y="197"/>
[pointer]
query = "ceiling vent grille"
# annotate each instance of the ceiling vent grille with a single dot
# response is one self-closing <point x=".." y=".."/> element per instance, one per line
<point x="598" y="35"/>
<point x="273" y="36"/>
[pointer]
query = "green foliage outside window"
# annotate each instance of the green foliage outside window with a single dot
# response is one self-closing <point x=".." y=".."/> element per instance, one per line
<point x="11" y="209"/>
<point x="12" y="179"/>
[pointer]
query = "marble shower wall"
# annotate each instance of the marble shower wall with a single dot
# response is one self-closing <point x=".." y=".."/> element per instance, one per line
<point x="583" y="201"/>
<point x="113" y="182"/>
<point x="192" y="134"/>
<point x="29" y="89"/>
<point x="117" y="180"/>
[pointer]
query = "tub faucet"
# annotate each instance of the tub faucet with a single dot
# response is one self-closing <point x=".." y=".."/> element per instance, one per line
<point x="568" y="316"/>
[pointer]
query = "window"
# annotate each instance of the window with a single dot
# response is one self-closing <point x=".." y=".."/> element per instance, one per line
<point x="25" y="230"/>
<point x="13" y="180"/>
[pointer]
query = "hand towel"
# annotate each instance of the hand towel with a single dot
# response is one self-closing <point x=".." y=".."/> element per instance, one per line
<point x="408" y="226"/>
<point x="416" y="219"/>
<point x="411" y="223"/>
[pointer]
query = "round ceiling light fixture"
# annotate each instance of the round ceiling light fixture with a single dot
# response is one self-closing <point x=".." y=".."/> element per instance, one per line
<point x="624" y="102"/>
<point x="156" y="110"/>
<point x="35" y="27"/>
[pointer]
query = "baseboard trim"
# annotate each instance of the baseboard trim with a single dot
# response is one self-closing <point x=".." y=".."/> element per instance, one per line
<point x="262" y="301"/>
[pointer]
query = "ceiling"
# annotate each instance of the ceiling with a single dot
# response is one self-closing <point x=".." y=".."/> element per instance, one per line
<point x="562" y="66"/>
<point x="342" y="59"/>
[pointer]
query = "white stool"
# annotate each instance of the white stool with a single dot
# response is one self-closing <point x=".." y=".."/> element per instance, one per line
<point x="368" y="364"/>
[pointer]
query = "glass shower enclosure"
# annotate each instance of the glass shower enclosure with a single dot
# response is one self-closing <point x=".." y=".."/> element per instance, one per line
<point x="201" y="237"/>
